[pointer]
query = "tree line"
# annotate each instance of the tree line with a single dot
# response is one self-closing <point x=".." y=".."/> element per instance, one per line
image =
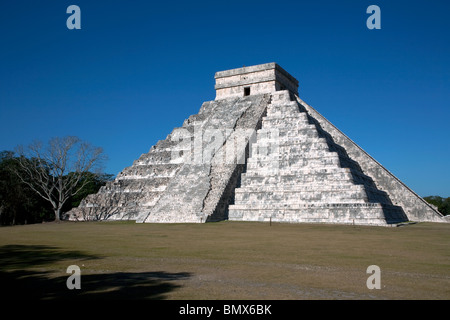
<point x="442" y="204"/>
<point x="41" y="182"/>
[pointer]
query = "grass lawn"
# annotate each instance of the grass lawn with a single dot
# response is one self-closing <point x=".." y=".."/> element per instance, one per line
<point x="224" y="260"/>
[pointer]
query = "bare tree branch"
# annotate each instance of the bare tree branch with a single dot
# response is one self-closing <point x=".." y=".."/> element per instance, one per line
<point x="55" y="171"/>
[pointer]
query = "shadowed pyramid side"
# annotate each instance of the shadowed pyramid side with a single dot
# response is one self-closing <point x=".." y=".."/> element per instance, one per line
<point x="414" y="207"/>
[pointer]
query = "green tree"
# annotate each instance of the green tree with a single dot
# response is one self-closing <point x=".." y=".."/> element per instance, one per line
<point x="446" y="206"/>
<point x="443" y="204"/>
<point x="18" y="203"/>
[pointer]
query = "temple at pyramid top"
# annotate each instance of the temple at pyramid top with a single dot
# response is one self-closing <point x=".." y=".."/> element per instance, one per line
<point x="245" y="81"/>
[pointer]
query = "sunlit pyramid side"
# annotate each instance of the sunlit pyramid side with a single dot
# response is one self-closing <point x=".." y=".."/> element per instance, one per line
<point x="257" y="153"/>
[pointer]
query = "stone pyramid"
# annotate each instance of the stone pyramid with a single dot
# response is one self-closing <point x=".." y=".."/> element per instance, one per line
<point x="257" y="153"/>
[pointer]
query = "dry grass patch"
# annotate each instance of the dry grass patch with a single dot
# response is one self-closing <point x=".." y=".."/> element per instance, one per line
<point x="226" y="260"/>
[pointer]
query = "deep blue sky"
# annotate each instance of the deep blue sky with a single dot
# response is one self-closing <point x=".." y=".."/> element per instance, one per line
<point x="137" y="69"/>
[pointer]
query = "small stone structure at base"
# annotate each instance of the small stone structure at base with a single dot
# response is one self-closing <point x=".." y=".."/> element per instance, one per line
<point x="257" y="153"/>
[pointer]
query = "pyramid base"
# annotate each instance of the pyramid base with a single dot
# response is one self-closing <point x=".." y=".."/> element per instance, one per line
<point x="373" y="214"/>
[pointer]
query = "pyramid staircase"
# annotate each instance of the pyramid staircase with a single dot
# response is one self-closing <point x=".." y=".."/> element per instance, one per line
<point x="296" y="173"/>
<point x="184" y="171"/>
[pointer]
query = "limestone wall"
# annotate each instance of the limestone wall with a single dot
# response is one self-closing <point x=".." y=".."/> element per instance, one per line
<point x="260" y="79"/>
<point x="238" y="90"/>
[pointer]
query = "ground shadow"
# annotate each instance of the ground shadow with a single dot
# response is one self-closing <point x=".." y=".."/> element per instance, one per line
<point x="21" y="279"/>
<point x="13" y="257"/>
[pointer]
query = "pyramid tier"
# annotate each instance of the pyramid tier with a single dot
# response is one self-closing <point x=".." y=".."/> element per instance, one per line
<point x="293" y="197"/>
<point x="342" y="213"/>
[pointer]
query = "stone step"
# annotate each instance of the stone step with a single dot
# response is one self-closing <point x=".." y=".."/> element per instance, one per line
<point x="350" y="213"/>
<point x="274" y="177"/>
<point x="103" y="213"/>
<point x="276" y="110"/>
<point x="261" y="153"/>
<point x="342" y="187"/>
<point x="282" y="203"/>
<point x="278" y="137"/>
<point x="294" y="197"/>
<point x="283" y="110"/>
<point x="155" y="157"/>
<point x="129" y="183"/>
<point x="284" y="122"/>
<point x="129" y="193"/>
<point x="282" y="96"/>
<point x="297" y="148"/>
<point x="302" y="171"/>
<point x="297" y="128"/>
<point x="280" y="110"/>
<point x="291" y="162"/>
<point x="338" y="188"/>
<point x="296" y="170"/>
<point x="151" y="170"/>
<point x="259" y="184"/>
<point x="321" y="159"/>
<point x="306" y="132"/>
<point x="279" y="175"/>
<point x="313" y="205"/>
